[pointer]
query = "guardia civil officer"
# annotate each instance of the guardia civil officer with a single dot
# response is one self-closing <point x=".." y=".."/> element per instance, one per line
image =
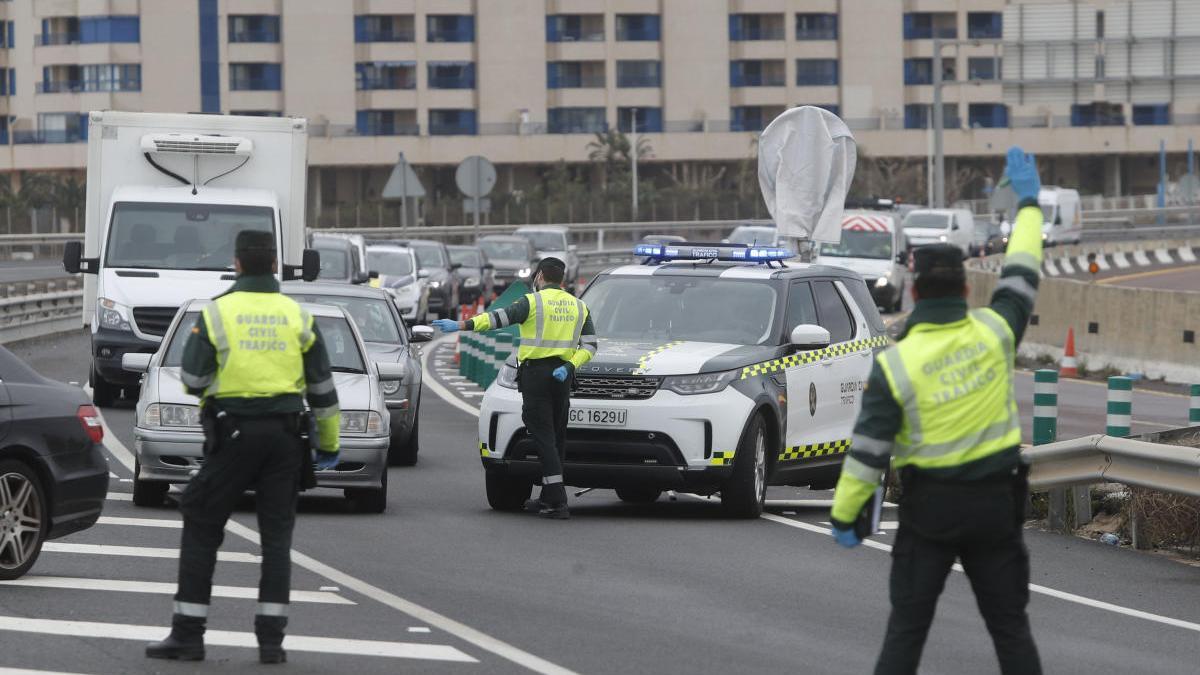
<point x="557" y="337"/>
<point x="253" y="357"/>
<point x="939" y="407"/>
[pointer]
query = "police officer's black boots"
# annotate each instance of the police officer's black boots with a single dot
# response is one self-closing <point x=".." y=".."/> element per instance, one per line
<point x="269" y="630"/>
<point x="553" y="502"/>
<point x="535" y="505"/>
<point x="185" y="643"/>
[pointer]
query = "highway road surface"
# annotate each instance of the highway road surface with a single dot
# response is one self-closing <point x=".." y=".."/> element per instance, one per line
<point x="441" y="584"/>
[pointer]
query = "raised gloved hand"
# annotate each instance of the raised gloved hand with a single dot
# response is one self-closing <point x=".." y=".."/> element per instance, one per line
<point x="445" y="325"/>
<point x="325" y="460"/>
<point x="848" y="538"/>
<point x="1021" y="172"/>
<point x="561" y="373"/>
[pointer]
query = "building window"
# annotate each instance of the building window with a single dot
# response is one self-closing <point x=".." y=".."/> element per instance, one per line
<point x="920" y="116"/>
<point x="65" y="30"/>
<point x="65" y="127"/>
<point x="256" y="113"/>
<point x="755" y="27"/>
<point x="1149" y="114"/>
<point x="756" y="73"/>
<point x="816" y="72"/>
<point x="90" y="78"/>
<point x="7" y="33"/>
<point x="920" y="70"/>
<point x="649" y="120"/>
<point x="816" y="26"/>
<point x="376" y="75"/>
<point x="576" y="120"/>
<point x="452" y="123"/>
<point x="639" y="28"/>
<point x="987" y="116"/>
<point x="3" y="129"/>
<point x="985" y="25"/>
<point x="575" y="28"/>
<point x="386" y="123"/>
<point x="751" y="117"/>
<point x="575" y="75"/>
<point x="831" y="107"/>
<point x="639" y="74"/>
<point x="210" y="56"/>
<point x="253" y="28"/>
<point x="925" y="25"/>
<point x="8" y="83"/>
<point x="983" y="68"/>
<point x="451" y="75"/>
<point x="1097" y="115"/>
<point x="255" y="77"/>
<point x="384" y="28"/>
<point x="450" y="28"/>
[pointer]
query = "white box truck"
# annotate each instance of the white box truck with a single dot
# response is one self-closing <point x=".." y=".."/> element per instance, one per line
<point x="167" y="195"/>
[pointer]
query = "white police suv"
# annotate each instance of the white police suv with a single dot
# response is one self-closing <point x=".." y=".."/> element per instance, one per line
<point x="721" y="369"/>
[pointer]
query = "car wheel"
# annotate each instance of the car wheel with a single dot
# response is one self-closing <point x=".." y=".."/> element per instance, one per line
<point x="104" y="393"/>
<point x="23" y="519"/>
<point x="639" y="495"/>
<point x="405" y="454"/>
<point x="743" y="494"/>
<point x="505" y="493"/>
<point x="148" y="492"/>
<point x="370" y="500"/>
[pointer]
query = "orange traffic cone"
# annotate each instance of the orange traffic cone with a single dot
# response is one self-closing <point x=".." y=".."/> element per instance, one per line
<point x="1068" y="367"/>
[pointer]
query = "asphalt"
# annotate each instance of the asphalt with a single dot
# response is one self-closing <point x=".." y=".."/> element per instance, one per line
<point x="668" y="587"/>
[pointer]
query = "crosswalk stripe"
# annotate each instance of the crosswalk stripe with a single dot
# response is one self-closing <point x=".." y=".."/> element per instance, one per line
<point x="119" y="497"/>
<point x="140" y="551"/>
<point x="140" y="522"/>
<point x="163" y="588"/>
<point x="226" y="638"/>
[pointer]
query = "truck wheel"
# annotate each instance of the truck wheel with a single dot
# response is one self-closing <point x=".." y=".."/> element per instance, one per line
<point x="104" y="393"/>
<point x="743" y="494"/>
<point x="148" y="492"/>
<point x="505" y="493"/>
<point x="23" y="518"/>
<point x="406" y="454"/>
<point x="639" y="495"/>
<point x="370" y="500"/>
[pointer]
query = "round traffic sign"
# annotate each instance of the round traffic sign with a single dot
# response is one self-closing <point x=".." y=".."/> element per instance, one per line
<point x="475" y="176"/>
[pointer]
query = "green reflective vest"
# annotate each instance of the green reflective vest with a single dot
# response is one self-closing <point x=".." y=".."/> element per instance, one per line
<point x="260" y="340"/>
<point x="553" y="326"/>
<point x="954" y="382"/>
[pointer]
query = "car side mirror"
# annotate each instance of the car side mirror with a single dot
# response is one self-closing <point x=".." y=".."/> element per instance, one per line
<point x="953" y="226"/>
<point x="902" y="257"/>
<point x="373" y="274"/>
<point x="422" y="274"/>
<point x="573" y="248"/>
<point x="422" y="333"/>
<point x="309" y="269"/>
<point x="390" y="372"/>
<point x="135" y="362"/>
<point x="809" y="336"/>
<point x="489" y="266"/>
<point x="74" y="262"/>
<point x="455" y="266"/>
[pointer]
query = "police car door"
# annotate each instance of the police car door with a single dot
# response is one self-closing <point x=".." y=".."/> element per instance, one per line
<point x="847" y="361"/>
<point x="811" y="383"/>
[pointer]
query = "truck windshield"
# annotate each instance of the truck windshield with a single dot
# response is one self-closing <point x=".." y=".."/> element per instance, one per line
<point x="335" y="332"/>
<point x="682" y="308"/>
<point x="935" y="221"/>
<point x="860" y="244"/>
<point x="149" y="235"/>
<point x="544" y="240"/>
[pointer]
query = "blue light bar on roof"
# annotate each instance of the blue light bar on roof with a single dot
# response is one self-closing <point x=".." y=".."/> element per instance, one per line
<point x="725" y="252"/>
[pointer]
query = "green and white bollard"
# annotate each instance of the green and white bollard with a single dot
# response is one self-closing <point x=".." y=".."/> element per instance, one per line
<point x="1194" y="405"/>
<point x="1045" y="430"/>
<point x="1120" y="406"/>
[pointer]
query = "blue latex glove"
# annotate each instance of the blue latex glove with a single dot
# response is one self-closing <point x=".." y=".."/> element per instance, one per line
<point x="847" y="538"/>
<point x="560" y="373"/>
<point x="445" y="325"/>
<point x="1021" y="171"/>
<point x="325" y="460"/>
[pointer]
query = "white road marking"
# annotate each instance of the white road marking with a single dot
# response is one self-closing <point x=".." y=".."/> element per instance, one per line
<point x="164" y="588"/>
<point x="1120" y="260"/>
<point x="26" y="671"/>
<point x="471" y="393"/>
<point x="125" y="480"/>
<point x="119" y="497"/>
<point x="147" y="552"/>
<point x="441" y="391"/>
<point x="225" y="638"/>
<point x="140" y="522"/>
<point x="418" y="629"/>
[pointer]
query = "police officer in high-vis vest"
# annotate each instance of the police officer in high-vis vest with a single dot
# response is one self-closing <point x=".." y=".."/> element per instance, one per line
<point x="556" y="338"/>
<point x="253" y="357"/>
<point x="939" y="408"/>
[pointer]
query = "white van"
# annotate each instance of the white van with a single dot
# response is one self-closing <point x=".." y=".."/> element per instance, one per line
<point x="941" y="226"/>
<point x="873" y="247"/>
<point x="1062" y="215"/>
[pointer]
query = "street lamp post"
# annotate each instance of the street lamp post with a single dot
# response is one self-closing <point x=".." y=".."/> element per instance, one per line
<point x="633" y="155"/>
<point x="939" y="127"/>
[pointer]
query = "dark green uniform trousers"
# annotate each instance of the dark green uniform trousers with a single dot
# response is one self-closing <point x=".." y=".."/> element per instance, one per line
<point x="545" y="404"/>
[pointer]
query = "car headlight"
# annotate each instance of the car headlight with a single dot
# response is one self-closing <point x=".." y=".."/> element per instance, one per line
<point x="391" y="387"/>
<point x="943" y="238"/>
<point x="507" y="377"/>
<point x="471" y="281"/>
<point x="361" y="422"/>
<point x="881" y="282"/>
<point x="171" y="415"/>
<point x="113" y="316"/>
<point x="523" y="272"/>
<point x="435" y="284"/>
<point x="704" y="383"/>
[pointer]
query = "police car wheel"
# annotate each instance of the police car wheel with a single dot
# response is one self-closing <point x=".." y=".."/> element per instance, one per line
<point x="148" y="492"/>
<point x="639" y="495"/>
<point x="505" y="493"/>
<point x="743" y="494"/>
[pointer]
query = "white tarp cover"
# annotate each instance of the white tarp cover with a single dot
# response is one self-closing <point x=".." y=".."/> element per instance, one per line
<point x="806" y="163"/>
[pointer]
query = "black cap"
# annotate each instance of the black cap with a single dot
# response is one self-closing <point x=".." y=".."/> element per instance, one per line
<point x="552" y="263"/>
<point x="254" y="240"/>
<point x="940" y="260"/>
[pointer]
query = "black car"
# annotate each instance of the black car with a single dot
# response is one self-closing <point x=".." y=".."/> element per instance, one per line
<point x="513" y="257"/>
<point x="435" y="266"/>
<point x="475" y="273"/>
<point x="53" y="472"/>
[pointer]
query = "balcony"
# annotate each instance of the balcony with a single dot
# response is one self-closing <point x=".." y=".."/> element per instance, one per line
<point x="453" y="123"/>
<point x="50" y="39"/>
<point x="36" y="136"/>
<point x="638" y="28"/>
<point x="450" y="28"/>
<point x="575" y="28"/>
<point x="384" y="28"/>
<point x="412" y="129"/>
<point x="451" y="75"/>
<point x="756" y="27"/>
<point x="757" y="74"/>
<point x="254" y="84"/>
<point x="575" y="75"/>
<point x="929" y="25"/>
<point x="262" y="35"/>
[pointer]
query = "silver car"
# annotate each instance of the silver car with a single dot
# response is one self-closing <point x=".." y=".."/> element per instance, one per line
<point x="168" y="440"/>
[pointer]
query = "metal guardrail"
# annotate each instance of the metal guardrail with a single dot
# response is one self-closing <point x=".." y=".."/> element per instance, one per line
<point x="38" y="308"/>
<point x="1099" y="458"/>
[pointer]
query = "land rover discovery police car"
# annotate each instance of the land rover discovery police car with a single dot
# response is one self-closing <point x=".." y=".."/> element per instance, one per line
<point x="721" y="369"/>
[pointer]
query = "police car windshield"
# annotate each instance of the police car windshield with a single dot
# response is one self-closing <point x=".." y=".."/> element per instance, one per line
<point x="151" y="235"/>
<point x="860" y="244"/>
<point x="374" y="320"/>
<point x="335" y="263"/>
<point x="683" y="308"/>
<point x="339" y="342"/>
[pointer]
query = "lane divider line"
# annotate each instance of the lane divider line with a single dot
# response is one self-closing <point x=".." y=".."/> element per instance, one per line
<point x="437" y="387"/>
<point x="141" y="552"/>
<point x="141" y="522"/>
<point x="164" y="588"/>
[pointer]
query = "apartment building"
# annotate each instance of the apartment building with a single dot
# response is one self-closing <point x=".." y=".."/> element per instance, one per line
<point x="526" y="82"/>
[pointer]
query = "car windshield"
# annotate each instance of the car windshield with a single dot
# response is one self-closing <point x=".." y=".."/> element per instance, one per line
<point x="429" y="255"/>
<point x="860" y="244"/>
<point x="752" y="236"/>
<point x="545" y="241"/>
<point x="505" y="250"/>
<point x="335" y="263"/>
<point x="374" y="320"/>
<point x="936" y="221"/>
<point x="662" y="308"/>
<point x="180" y="236"/>
<point x="390" y="263"/>
<point x="335" y="332"/>
<point x="1049" y="213"/>
<point x="467" y="257"/>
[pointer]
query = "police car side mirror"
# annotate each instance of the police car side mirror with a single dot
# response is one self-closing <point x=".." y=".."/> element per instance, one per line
<point x="390" y="372"/>
<point x="422" y="333"/>
<point x="809" y="336"/>
<point x="135" y="363"/>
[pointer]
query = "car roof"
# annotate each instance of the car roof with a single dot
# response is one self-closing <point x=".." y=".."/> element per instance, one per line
<point x="311" y="308"/>
<point x="337" y="242"/>
<point x="731" y="270"/>
<point x="410" y="242"/>
<point x="541" y="228"/>
<point x="388" y="248"/>
<point x="459" y="247"/>
<point x="344" y="290"/>
<point x="504" y="237"/>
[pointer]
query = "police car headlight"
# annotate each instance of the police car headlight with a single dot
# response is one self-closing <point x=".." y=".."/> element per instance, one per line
<point x="507" y="377"/>
<point x="704" y="383"/>
<point x="170" y="415"/>
<point x="391" y="387"/>
<point x="881" y="282"/>
<point x="361" y="423"/>
<point x="113" y="316"/>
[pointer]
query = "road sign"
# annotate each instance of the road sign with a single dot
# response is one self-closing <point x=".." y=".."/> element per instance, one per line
<point x="476" y="176"/>
<point x="403" y="182"/>
<point x="1003" y="199"/>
